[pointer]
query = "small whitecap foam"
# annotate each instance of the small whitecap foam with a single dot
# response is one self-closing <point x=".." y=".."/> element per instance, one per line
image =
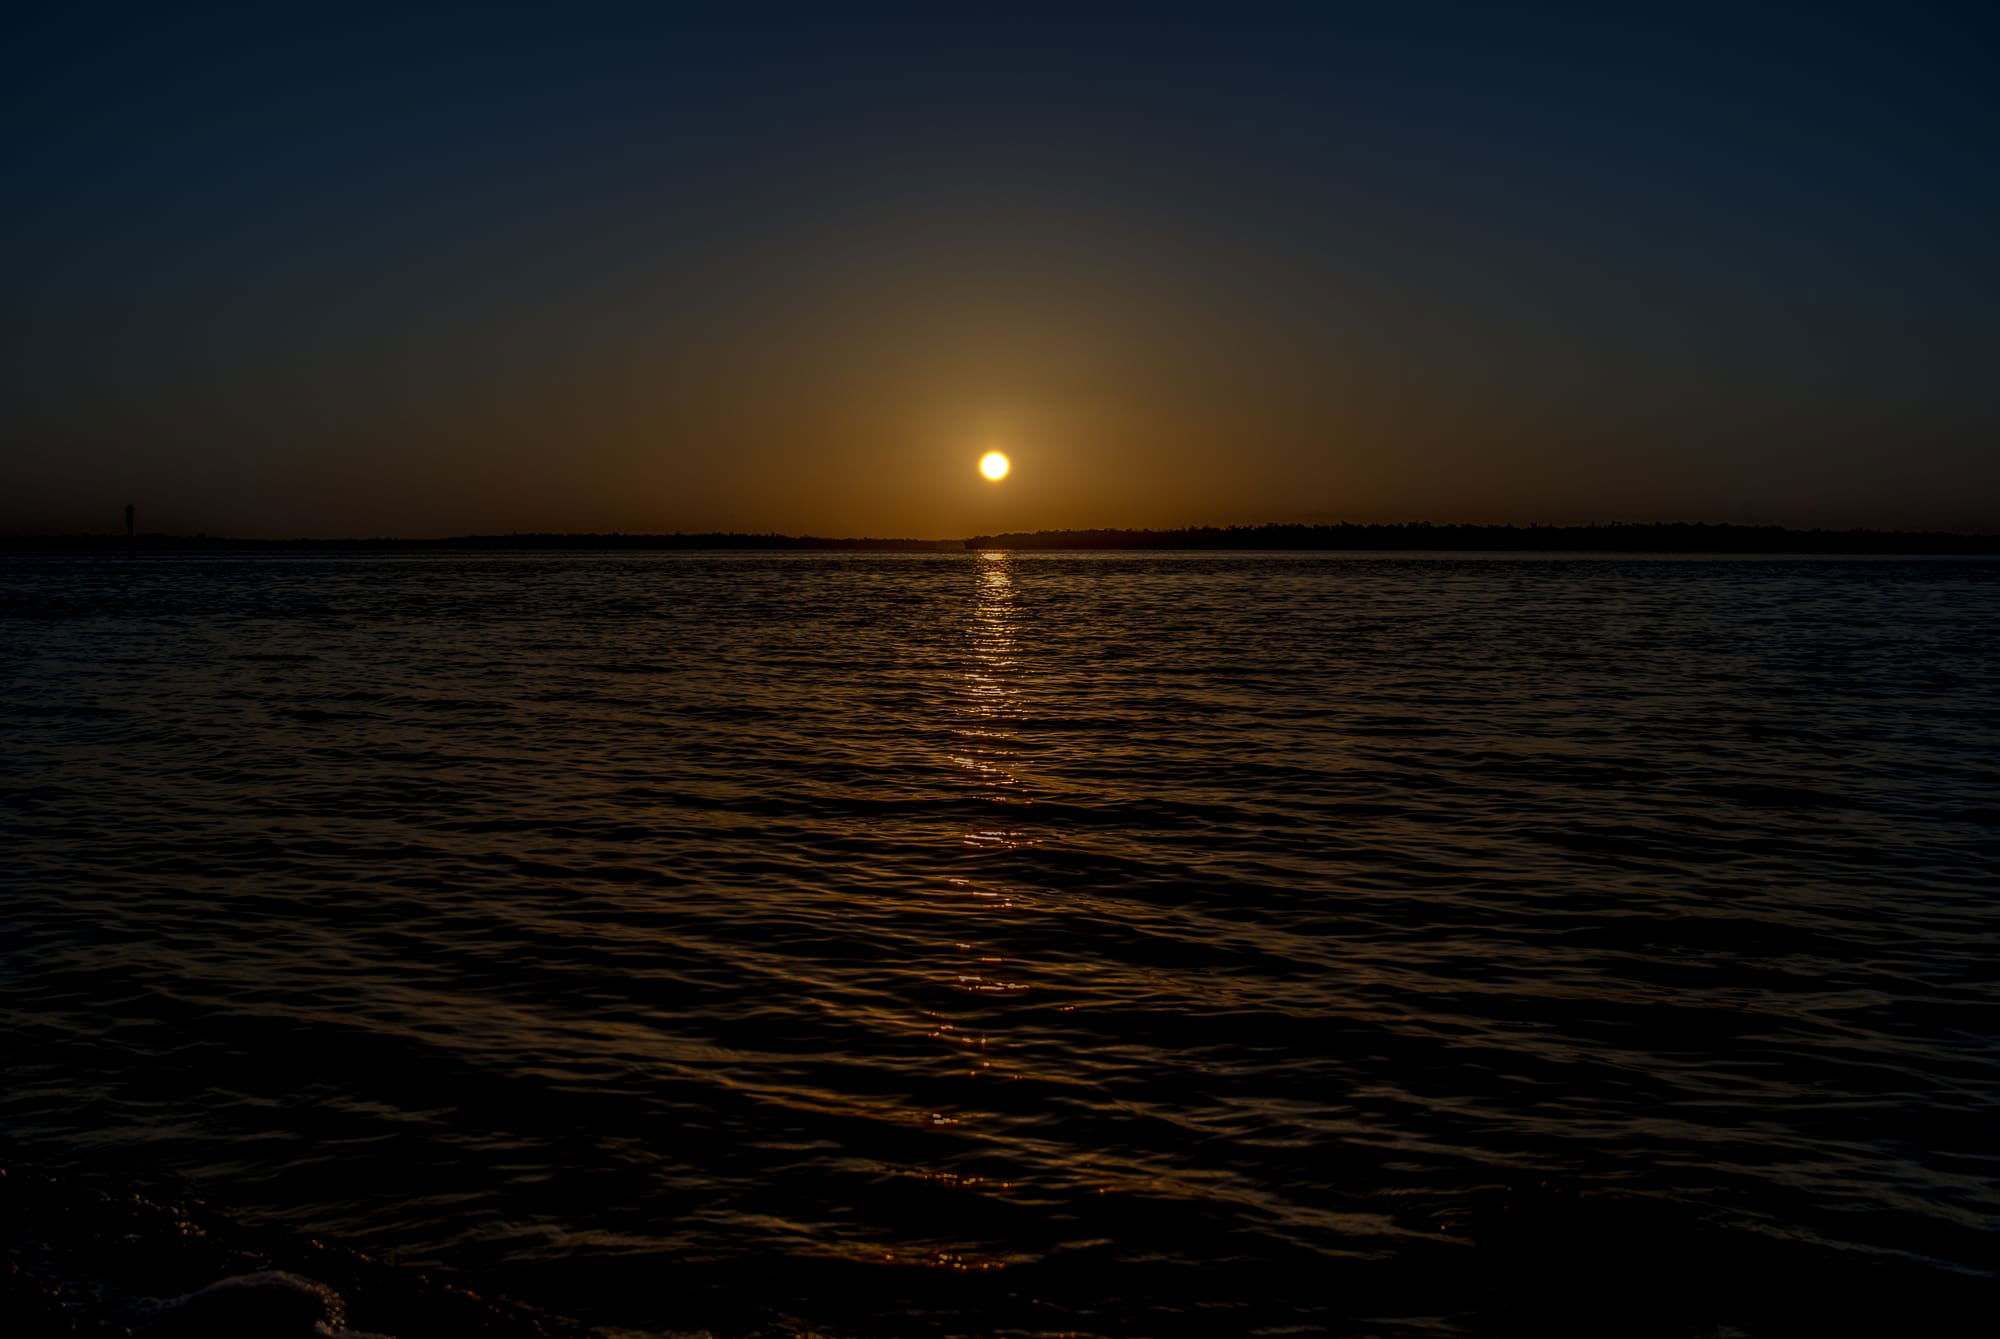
<point x="269" y="1304"/>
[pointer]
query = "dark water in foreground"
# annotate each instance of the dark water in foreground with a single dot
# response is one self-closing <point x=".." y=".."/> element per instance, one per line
<point x="956" y="944"/>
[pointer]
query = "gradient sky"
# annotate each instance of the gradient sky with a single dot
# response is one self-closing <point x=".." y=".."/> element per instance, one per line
<point x="420" y="270"/>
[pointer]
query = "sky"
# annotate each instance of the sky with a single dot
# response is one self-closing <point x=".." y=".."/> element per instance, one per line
<point x="337" y="270"/>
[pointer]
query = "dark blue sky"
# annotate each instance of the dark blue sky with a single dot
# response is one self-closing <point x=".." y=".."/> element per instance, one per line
<point x="432" y="269"/>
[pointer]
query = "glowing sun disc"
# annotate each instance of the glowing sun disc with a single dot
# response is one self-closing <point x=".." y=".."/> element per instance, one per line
<point x="994" y="465"/>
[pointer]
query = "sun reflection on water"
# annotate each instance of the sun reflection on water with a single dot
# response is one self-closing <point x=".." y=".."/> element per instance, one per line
<point x="991" y="638"/>
<point x="985" y="750"/>
<point x="987" y="738"/>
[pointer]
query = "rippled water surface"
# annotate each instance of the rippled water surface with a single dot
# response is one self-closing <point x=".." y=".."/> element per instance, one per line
<point x="971" y="943"/>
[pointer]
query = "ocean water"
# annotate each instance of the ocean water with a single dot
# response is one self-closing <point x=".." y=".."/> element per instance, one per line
<point x="1025" y="944"/>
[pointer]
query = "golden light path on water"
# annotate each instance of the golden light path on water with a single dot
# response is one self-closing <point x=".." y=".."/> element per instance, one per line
<point x="987" y="743"/>
<point x="993" y="650"/>
<point x="993" y="741"/>
<point x="984" y="747"/>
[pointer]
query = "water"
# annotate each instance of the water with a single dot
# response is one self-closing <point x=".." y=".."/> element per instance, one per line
<point x="941" y="944"/>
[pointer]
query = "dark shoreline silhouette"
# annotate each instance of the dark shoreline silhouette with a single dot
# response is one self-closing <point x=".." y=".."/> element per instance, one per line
<point x="1617" y="537"/>
<point x="1425" y="536"/>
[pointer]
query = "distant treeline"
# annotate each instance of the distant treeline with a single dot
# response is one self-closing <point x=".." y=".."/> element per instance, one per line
<point x="158" y="543"/>
<point x="1664" y="537"/>
<point x="1669" y="537"/>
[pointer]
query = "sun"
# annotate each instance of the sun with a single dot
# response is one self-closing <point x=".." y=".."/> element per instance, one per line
<point x="994" y="466"/>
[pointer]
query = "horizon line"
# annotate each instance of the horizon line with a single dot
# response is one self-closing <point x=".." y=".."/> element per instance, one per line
<point x="1683" y="536"/>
